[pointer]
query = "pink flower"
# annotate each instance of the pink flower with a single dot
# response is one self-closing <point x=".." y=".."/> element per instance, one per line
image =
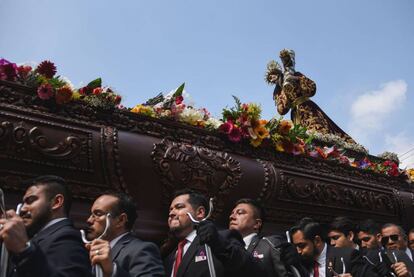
<point x="8" y="70"/>
<point x="226" y="127"/>
<point x="235" y="134"/>
<point x="45" y="91"/>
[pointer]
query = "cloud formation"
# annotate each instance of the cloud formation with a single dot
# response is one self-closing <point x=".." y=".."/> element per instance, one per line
<point x="371" y="111"/>
<point x="372" y="108"/>
<point x="401" y="144"/>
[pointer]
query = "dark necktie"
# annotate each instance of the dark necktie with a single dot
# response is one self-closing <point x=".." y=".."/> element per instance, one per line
<point x="316" y="269"/>
<point x="179" y="256"/>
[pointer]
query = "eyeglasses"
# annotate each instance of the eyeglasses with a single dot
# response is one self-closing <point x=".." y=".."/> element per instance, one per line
<point x="384" y="240"/>
<point x="98" y="214"/>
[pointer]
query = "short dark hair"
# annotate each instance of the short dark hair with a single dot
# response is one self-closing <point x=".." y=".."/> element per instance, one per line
<point x="125" y="204"/>
<point x="309" y="228"/>
<point x="400" y="229"/>
<point x="196" y="199"/>
<point x="257" y="207"/>
<point x="54" y="185"/>
<point x="342" y="224"/>
<point x="369" y="226"/>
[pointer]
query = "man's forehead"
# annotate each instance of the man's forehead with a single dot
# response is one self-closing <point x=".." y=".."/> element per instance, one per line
<point x="391" y="229"/>
<point x="34" y="190"/>
<point x="180" y="199"/>
<point x="104" y="202"/>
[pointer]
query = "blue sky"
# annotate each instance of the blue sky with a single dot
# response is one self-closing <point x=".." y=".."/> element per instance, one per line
<point x="360" y="53"/>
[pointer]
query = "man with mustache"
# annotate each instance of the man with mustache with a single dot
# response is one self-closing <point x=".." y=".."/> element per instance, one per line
<point x="42" y="240"/>
<point x="119" y="253"/>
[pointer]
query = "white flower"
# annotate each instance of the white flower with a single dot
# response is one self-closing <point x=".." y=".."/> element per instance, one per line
<point x="191" y="116"/>
<point x="68" y="82"/>
<point x="213" y="123"/>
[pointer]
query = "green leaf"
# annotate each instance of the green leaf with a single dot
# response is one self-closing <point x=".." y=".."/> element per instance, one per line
<point x="179" y="90"/>
<point x="95" y="83"/>
<point x="238" y="102"/>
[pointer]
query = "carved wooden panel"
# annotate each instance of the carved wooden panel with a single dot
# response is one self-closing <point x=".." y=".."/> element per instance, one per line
<point x="181" y="165"/>
<point x="45" y="143"/>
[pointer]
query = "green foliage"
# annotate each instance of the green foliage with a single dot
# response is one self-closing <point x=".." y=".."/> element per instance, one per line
<point x="95" y="83"/>
<point x="179" y="90"/>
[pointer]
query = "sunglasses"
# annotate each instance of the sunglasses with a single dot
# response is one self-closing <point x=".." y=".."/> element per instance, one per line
<point x="384" y="240"/>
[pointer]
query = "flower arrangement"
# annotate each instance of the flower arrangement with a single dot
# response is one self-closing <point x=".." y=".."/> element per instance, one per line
<point x="172" y="106"/>
<point x="57" y="90"/>
<point x="239" y="123"/>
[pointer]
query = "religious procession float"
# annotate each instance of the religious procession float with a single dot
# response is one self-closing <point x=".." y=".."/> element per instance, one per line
<point x="306" y="166"/>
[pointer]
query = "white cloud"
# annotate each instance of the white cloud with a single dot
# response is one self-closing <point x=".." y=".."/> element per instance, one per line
<point x="372" y="108"/>
<point x="401" y="144"/>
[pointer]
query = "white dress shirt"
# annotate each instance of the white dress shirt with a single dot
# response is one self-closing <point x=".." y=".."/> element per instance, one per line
<point x="189" y="238"/>
<point x="409" y="254"/>
<point x="248" y="239"/>
<point x="322" y="262"/>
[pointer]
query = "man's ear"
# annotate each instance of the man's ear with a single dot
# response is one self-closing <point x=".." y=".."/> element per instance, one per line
<point x="122" y="220"/>
<point x="317" y="240"/>
<point x="351" y="236"/>
<point x="200" y="213"/>
<point x="258" y="224"/>
<point x="58" y="201"/>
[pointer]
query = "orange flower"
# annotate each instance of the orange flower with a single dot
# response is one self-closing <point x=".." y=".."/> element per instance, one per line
<point x="261" y="132"/>
<point x="63" y="95"/>
<point x="279" y="147"/>
<point x="284" y="127"/>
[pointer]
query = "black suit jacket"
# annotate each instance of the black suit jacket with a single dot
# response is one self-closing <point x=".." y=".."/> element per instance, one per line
<point x="349" y="259"/>
<point x="134" y="257"/>
<point x="56" y="251"/>
<point x="264" y="251"/>
<point x="234" y="260"/>
<point x="372" y="256"/>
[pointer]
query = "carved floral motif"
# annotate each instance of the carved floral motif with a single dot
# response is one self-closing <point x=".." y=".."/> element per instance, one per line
<point x="182" y="165"/>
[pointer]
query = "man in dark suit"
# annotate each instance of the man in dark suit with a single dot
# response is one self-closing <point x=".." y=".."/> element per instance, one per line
<point x="393" y="236"/>
<point x="342" y="233"/>
<point x="386" y="262"/>
<point x="323" y="260"/>
<point x="411" y="239"/>
<point x="42" y="240"/>
<point x="247" y="218"/>
<point x="189" y="258"/>
<point x="119" y="253"/>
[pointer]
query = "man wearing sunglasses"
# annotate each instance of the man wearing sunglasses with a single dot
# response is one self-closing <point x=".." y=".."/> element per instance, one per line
<point x="393" y="237"/>
<point x="118" y="252"/>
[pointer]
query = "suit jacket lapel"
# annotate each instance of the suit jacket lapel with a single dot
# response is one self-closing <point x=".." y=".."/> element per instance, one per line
<point x="119" y="245"/>
<point x="253" y="244"/>
<point x="188" y="256"/>
<point x="40" y="236"/>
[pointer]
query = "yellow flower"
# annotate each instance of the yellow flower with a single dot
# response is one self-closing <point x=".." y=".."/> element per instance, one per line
<point x="279" y="146"/>
<point x="76" y="95"/>
<point x="146" y="110"/>
<point x="256" y="142"/>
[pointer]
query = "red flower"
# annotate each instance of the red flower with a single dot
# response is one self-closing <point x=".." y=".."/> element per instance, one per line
<point x="226" y="127"/>
<point x="45" y="91"/>
<point x="235" y="134"/>
<point x="85" y="90"/>
<point x="24" y="70"/>
<point x="47" y="69"/>
<point x="118" y="99"/>
<point x="63" y="95"/>
<point x="179" y="99"/>
<point x="97" y="91"/>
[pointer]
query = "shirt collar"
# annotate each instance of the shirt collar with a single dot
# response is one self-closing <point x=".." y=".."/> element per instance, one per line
<point x="115" y="240"/>
<point x="322" y="257"/>
<point x="248" y="239"/>
<point x="408" y="252"/>
<point x="53" y="221"/>
<point x="191" y="236"/>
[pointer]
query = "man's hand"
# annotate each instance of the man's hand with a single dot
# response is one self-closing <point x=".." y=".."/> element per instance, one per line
<point x="100" y="253"/>
<point x="401" y="269"/>
<point x="13" y="233"/>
